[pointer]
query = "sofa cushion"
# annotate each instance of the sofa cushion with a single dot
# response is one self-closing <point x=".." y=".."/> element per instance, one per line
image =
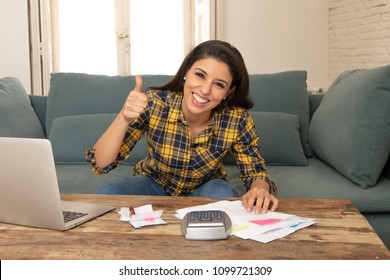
<point x="319" y="180"/>
<point x="350" y="130"/>
<point x="71" y="136"/>
<point x="279" y="142"/>
<point x="18" y="118"/>
<point x="77" y="93"/>
<point x="78" y="178"/>
<point x="284" y="92"/>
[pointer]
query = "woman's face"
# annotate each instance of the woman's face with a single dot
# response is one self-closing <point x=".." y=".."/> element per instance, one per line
<point x="207" y="83"/>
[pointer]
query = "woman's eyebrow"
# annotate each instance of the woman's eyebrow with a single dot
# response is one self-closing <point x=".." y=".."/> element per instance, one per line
<point x="204" y="72"/>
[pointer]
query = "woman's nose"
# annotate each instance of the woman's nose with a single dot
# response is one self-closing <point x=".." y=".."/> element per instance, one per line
<point x="206" y="88"/>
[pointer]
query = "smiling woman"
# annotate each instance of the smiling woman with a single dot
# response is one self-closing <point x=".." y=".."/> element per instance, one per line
<point x="191" y="125"/>
<point x="206" y="85"/>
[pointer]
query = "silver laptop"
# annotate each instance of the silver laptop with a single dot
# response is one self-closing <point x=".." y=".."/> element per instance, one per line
<point x="29" y="192"/>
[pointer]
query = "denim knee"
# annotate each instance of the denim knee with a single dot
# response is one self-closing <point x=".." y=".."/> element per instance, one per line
<point x="216" y="189"/>
<point x="132" y="185"/>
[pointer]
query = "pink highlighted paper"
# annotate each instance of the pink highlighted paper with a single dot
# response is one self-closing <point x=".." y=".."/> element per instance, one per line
<point x="265" y="221"/>
<point x="143" y="216"/>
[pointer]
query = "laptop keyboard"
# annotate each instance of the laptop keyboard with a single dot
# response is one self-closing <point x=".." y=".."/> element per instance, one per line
<point x="69" y="215"/>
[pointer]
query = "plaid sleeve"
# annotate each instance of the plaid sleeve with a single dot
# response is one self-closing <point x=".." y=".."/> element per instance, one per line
<point x="249" y="160"/>
<point x="134" y="132"/>
<point x="131" y="138"/>
<point x="90" y="157"/>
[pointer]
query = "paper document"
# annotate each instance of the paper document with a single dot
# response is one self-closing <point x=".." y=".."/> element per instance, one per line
<point x="259" y="227"/>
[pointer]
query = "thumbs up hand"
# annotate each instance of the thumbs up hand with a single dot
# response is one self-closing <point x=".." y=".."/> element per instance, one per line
<point x="136" y="102"/>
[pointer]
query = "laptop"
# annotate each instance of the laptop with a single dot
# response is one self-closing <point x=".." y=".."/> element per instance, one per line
<point x="29" y="192"/>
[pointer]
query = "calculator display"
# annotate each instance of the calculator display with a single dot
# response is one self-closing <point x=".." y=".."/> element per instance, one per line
<point x="206" y="218"/>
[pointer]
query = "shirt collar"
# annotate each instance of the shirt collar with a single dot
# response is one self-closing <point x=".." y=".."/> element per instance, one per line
<point x="175" y="113"/>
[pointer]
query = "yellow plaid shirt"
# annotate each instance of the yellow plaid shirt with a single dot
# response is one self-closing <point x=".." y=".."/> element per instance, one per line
<point x="177" y="163"/>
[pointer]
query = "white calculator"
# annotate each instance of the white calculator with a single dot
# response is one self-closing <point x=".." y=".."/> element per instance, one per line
<point x="206" y="225"/>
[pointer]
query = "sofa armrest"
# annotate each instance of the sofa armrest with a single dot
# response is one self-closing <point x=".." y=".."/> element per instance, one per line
<point x="39" y="103"/>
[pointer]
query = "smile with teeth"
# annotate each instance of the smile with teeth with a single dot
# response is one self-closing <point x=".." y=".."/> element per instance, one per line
<point x="199" y="99"/>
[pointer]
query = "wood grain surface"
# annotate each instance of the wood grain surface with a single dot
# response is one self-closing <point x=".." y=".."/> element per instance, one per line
<point x="341" y="232"/>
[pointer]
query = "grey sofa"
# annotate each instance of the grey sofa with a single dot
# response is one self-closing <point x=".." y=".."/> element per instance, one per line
<point x="316" y="146"/>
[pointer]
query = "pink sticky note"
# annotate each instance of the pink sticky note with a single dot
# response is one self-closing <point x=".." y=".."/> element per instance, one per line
<point x="265" y="222"/>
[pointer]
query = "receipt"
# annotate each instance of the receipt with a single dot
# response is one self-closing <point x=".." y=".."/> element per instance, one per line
<point x="143" y="216"/>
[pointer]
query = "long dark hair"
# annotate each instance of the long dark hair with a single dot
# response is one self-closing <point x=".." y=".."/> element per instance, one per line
<point x="226" y="53"/>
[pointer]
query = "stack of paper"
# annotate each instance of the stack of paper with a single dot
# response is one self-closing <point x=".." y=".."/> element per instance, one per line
<point x="259" y="227"/>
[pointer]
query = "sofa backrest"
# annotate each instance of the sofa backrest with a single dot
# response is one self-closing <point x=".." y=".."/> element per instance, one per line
<point x="284" y="92"/>
<point x="83" y="94"/>
<point x="81" y="106"/>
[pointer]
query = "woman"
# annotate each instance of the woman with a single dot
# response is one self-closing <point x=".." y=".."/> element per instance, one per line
<point x="192" y="122"/>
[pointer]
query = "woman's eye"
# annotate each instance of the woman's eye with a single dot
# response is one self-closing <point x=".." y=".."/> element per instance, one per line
<point x="199" y="74"/>
<point x="220" y="85"/>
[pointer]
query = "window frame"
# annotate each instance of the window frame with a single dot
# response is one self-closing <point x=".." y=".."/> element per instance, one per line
<point x="44" y="38"/>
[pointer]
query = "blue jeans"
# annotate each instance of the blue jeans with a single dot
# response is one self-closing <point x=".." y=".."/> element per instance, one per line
<point x="143" y="185"/>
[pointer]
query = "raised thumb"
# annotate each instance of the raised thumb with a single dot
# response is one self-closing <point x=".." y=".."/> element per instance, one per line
<point x="138" y="83"/>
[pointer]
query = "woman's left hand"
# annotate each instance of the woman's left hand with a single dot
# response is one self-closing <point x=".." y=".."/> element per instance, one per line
<point x="259" y="196"/>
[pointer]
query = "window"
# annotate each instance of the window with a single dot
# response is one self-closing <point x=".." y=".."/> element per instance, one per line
<point x="118" y="37"/>
<point x="86" y="32"/>
<point x="157" y="35"/>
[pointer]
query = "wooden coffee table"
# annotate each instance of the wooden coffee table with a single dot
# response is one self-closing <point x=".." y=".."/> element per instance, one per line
<point x="341" y="232"/>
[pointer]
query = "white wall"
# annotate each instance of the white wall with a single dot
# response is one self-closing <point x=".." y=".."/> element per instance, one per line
<point x="359" y="35"/>
<point x="273" y="36"/>
<point x="280" y="35"/>
<point x="14" y="46"/>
